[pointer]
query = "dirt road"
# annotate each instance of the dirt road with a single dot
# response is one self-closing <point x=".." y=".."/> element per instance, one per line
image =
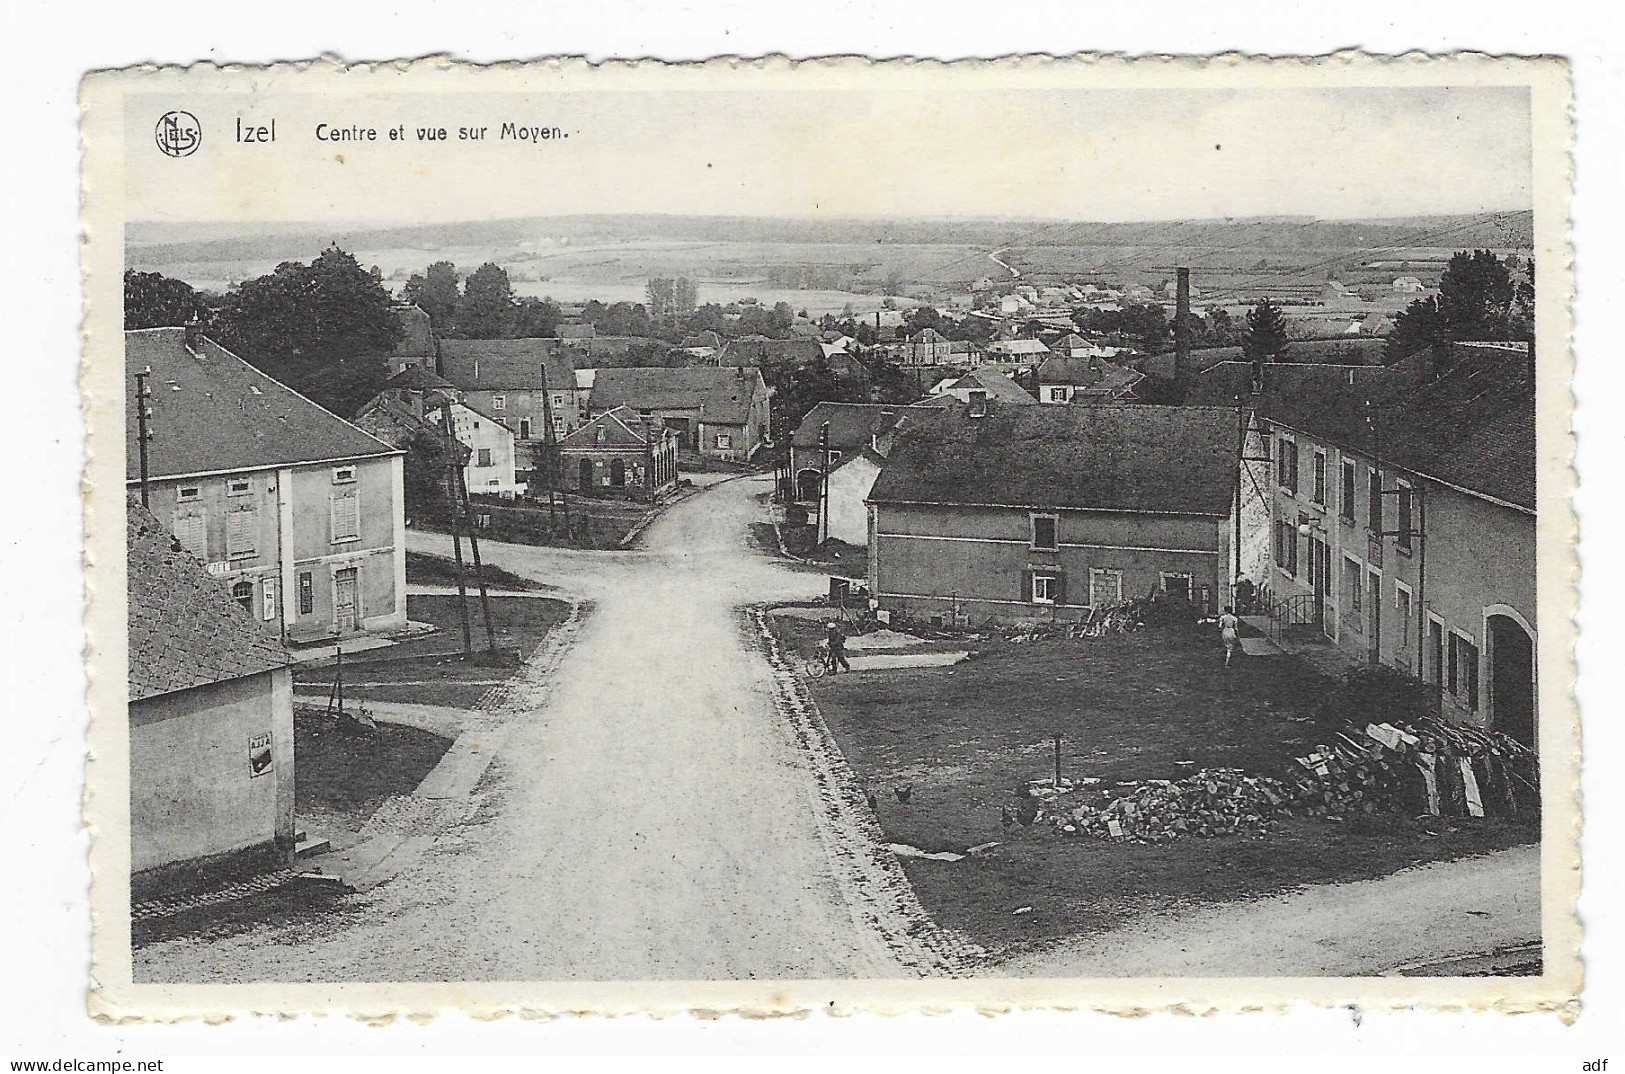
<point x="1465" y="907"/>
<point x="651" y="819"/>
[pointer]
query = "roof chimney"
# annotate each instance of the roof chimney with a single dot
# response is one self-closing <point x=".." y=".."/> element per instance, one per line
<point x="1182" y="335"/>
<point x="193" y="334"/>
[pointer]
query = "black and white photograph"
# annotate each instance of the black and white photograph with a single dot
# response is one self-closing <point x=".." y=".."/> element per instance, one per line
<point x="939" y="533"/>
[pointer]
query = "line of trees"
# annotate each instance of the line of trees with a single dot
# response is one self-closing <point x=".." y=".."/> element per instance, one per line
<point x="1481" y="298"/>
<point x="482" y="306"/>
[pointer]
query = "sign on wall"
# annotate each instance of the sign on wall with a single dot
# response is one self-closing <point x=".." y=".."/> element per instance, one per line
<point x="261" y="759"/>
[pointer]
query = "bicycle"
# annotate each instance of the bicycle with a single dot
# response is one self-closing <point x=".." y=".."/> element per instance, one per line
<point x="817" y="665"/>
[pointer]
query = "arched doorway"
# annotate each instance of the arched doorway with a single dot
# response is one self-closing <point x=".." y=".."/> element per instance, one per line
<point x="585" y="472"/>
<point x="1511" y="675"/>
<point x="617" y="473"/>
<point x="807" y="482"/>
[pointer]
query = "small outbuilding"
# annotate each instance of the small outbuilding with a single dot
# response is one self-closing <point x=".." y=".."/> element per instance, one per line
<point x="619" y="450"/>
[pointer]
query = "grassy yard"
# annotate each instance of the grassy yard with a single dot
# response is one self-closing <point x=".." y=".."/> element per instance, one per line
<point x="605" y="522"/>
<point x="1127" y="707"/>
<point x="347" y="770"/>
<point x="430" y="669"/>
<point x="422" y="568"/>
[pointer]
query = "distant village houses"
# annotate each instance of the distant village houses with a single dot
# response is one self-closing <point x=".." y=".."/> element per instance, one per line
<point x="716" y="412"/>
<point x="527" y="384"/>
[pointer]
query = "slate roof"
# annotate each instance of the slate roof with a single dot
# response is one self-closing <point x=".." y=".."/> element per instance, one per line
<point x="996" y="384"/>
<point x="850" y="424"/>
<point x="417" y="378"/>
<point x="506" y="364"/>
<point x="185" y="630"/>
<point x="212" y="412"/>
<point x="1018" y="346"/>
<point x="1095" y="374"/>
<point x="722" y="394"/>
<point x="1131" y="458"/>
<point x="623" y="427"/>
<point x="1472" y="427"/>
<point x="418" y="340"/>
<point x="927" y="335"/>
<point x="759" y="352"/>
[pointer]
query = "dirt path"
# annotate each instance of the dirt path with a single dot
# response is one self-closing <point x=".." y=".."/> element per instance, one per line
<point x="1464" y="907"/>
<point x="652" y="817"/>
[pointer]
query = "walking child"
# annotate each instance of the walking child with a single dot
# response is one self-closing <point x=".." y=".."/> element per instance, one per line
<point x="1230" y="633"/>
<point x="835" y="641"/>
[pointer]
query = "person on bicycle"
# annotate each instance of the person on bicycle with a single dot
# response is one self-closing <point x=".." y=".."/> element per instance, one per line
<point x="1230" y="633"/>
<point x="835" y="644"/>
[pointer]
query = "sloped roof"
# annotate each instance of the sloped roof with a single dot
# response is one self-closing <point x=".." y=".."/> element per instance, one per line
<point x="1018" y="346"/>
<point x="418" y="338"/>
<point x="758" y="352"/>
<point x="721" y="394"/>
<point x="185" y="630"/>
<point x="212" y="412"/>
<point x="1093" y="373"/>
<point x="850" y="424"/>
<point x="708" y="338"/>
<point x="389" y="419"/>
<point x="417" y="378"/>
<point x="996" y="384"/>
<point x="928" y="335"/>
<point x="622" y="427"/>
<point x="1132" y="458"/>
<point x="506" y="364"/>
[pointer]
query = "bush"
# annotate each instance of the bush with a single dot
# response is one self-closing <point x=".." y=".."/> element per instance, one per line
<point x="1376" y="694"/>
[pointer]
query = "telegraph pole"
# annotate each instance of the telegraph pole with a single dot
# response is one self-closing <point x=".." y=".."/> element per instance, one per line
<point x="823" y="484"/>
<point x="143" y="414"/>
<point x="474" y="547"/>
<point x="454" y="468"/>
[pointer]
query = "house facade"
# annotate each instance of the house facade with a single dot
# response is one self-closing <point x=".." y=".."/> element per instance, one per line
<point x="926" y="347"/>
<point x="718" y="412"/>
<point x="619" y="450"/>
<point x="297" y="511"/>
<point x="211" y="722"/>
<point x="1065" y="380"/>
<point x="492" y="448"/>
<point x="1403" y="530"/>
<point x="1032" y="512"/>
<point x="527" y="384"/>
<point x="850" y="482"/>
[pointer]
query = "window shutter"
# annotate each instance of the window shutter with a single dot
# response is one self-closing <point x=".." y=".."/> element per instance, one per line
<point x="241" y="522"/>
<point x="1026" y="587"/>
<point x="268" y="599"/>
<point x="191" y="532"/>
<point x="1060" y="588"/>
<point x="346" y="515"/>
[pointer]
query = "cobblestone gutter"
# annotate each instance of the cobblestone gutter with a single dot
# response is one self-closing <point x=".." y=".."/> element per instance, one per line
<point x="876" y="888"/>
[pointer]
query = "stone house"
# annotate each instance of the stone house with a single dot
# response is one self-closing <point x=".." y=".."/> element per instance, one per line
<point x="525" y="383"/>
<point x="619" y="450"/>
<point x="299" y="512"/>
<point x="716" y="412"/>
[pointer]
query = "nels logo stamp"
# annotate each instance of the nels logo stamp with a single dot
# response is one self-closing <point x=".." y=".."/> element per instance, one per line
<point x="178" y="133"/>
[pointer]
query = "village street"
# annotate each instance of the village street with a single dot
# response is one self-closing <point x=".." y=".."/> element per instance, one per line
<point x="654" y="818"/>
<point x="651" y="819"/>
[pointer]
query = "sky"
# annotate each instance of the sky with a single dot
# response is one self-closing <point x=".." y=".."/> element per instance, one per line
<point x="1040" y="152"/>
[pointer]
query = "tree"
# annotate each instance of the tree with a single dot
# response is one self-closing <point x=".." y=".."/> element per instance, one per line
<point x="662" y="295"/>
<point x="423" y="474"/>
<point x="435" y="293"/>
<point x="1146" y="326"/>
<point x="324" y="329"/>
<point x="920" y="318"/>
<point x="1224" y="328"/>
<point x="486" y="308"/>
<point x="1264" y="338"/>
<point x="534" y="317"/>
<point x="1478" y="300"/>
<point x="686" y="295"/>
<point x="152" y="300"/>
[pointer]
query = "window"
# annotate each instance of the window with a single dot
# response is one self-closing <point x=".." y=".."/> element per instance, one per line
<point x="1105" y="587"/>
<point x="188" y="494"/>
<point x="1286" y="547"/>
<point x="1057" y="395"/>
<point x="499" y="402"/>
<point x="1286" y="465"/>
<point x="1402" y="540"/>
<point x="1044" y="533"/>
<point x="1402" y="610"/>
<point x="192" y="531"/>
<point x="346" y="515"/>
<point x="242" y="525"/>
<point x="484" y="457"/>
<point x="307" y="593"/>
<point x="524" y="428"/>
<point x="238" y="486"/>
<point x="1435" y="651"/>
<point x="343" y="475"/>
<point x="1320" y="476"/>
<point x="268" y="598"/>
<point x="1047" y="588"/>
<point x="1374" y="521"/>
<point x="978" y="404"/>
<point x="1353" y="594"/>
<point x="725" y="442"/>
<point x="1346" y="504"/>
<point x="243" y="593"/>
<point x="834" y="457"/>
<point x="1463" y="670"/>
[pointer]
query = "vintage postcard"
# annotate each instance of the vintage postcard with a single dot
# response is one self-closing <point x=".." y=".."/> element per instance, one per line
<point x="763" y="536"/>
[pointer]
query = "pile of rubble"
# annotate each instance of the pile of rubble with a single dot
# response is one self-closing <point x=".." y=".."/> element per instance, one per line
<point x="1421" y="766"/>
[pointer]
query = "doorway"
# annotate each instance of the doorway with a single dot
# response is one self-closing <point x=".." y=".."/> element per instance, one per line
<point x="1320" y="569"/>
<point x="617" y="473"/>
<point x="1512" y="679"/>
<point x="346" y="601"/>
<point x="584" y="474"/>
<point x="1373" y="622"/>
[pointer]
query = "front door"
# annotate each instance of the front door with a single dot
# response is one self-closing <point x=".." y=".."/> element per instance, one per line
<point x="1320" y="563"/>
<point x="346" y="607"/>
<point x="1373" y="625"/>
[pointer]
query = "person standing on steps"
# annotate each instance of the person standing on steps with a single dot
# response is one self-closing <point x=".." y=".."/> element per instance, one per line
<point x="1229" y="633"/>
<point x="835" y="644"/>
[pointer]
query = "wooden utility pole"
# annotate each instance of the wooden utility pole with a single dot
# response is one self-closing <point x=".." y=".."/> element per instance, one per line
<point x="454" y="469"/>
<point x="143" y="414"/>
<point x="823" y="485"/>
<point x="467" y="512"/>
